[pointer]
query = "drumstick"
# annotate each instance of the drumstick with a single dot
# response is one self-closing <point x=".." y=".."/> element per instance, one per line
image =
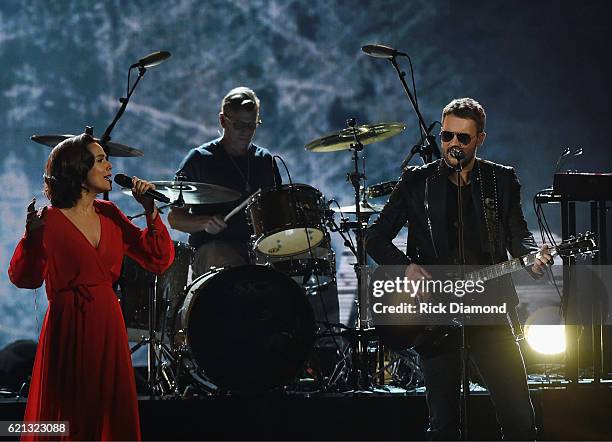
<point x="238" y="208"/>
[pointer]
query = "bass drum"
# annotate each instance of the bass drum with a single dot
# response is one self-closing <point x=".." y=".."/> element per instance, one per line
<point x="247" y="328"/>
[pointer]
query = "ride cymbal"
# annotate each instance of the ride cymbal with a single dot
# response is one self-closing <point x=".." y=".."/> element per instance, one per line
<point x="366" y="134"/>
<point x="194" y="193"/>
<point x="112" y="148"/>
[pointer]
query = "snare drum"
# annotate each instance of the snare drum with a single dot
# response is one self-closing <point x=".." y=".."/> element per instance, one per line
<point x="246" y="328"/>
<point x="310" y="270"/>
<point x="135" y="282"/>
<point x="287" y="221"/>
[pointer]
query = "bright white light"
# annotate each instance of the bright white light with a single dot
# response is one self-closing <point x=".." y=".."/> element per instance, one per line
<point x="545" y="332"/>
<point x="546" y="339"/>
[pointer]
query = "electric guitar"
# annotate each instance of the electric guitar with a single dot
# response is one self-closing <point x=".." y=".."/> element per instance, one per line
<point x="417" y="336"/>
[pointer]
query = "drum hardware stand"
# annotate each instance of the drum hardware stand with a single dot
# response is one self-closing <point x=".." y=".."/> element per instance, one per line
<point x="156" y="349"/>
<point x="202" y="382"/>
<point x="313" y="270"/>
<point x="360" y="377"/>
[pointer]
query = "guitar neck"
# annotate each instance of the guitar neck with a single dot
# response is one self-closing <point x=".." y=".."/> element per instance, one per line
<point x="506" y="267"/>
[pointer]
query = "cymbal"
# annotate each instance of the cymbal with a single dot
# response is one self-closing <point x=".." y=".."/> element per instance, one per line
<point x="366" y="134"/>
<point x="364" y="208"/>
<point x="112" y="149"/>
<point x="194" y="193"/>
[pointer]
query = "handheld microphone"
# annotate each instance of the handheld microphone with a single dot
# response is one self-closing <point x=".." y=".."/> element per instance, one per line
<point x="126" y="181"/>
<point x="152" y="59"/>
<point x="380" y="51"/>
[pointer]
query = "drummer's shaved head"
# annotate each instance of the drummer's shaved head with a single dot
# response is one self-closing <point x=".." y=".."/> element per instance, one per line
<point x="66" y="170"/>
<point x="240" y="98"/>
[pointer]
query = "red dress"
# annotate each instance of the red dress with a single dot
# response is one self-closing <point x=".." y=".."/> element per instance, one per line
<point x="83" y="370"/>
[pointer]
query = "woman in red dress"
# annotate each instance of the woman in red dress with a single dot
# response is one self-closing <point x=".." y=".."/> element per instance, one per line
<point x="83" y="370"/>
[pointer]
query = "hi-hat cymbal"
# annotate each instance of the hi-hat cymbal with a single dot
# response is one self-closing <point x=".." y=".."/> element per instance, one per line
<point x="364" y="208"/>
<point x="194" y="193"/>
<point x="366" y="134"/>
<point x="112" y="148"/>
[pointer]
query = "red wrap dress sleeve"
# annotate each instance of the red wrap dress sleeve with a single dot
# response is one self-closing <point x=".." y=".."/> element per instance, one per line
<point x="83" y="371"/>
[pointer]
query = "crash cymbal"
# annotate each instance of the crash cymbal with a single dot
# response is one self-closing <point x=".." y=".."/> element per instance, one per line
<point x="366" y="134"/>
<point x="113" y="149"/>
<point x="194" y="193"/>
<point x="364" y="208"/>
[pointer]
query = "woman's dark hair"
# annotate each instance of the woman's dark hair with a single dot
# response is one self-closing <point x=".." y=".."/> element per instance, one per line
<point x="66" y="170"/>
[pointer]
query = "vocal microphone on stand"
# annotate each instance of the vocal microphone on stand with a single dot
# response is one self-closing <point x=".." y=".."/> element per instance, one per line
<point x="381" y="51"/>
<point x="151" y="60"/>
<point x="457" y="154"/>
<point x="126" y="181"/>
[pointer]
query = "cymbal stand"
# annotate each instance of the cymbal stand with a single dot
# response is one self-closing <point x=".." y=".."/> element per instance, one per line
<point x="149" y="339"/>
<point x="157" y="349"/>
<point x="360" y="377"/>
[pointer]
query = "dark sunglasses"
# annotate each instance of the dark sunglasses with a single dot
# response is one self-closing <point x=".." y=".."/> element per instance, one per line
<point x="447" y="136"/>
<point x="241" y="125"/>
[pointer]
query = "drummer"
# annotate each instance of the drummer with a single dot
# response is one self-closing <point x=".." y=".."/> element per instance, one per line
<point x="231" y="161"/>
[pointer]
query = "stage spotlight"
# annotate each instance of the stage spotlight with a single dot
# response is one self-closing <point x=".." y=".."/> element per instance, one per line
<point x="545" y="332"/>
<point x="546" y="339"/>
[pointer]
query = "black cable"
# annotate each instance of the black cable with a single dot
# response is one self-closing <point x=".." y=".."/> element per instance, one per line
<point x="546" y="232"/>
<point x="128" y="82"/>
<point x="416" y="99"/>
<point x="285" y="166"/>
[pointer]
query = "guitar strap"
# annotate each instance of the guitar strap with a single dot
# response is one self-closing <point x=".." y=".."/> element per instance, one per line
<point x="490" y="204"/>
<point x="488" y="194"/>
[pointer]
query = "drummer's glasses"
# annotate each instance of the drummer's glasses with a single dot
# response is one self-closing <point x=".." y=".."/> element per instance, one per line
<point x="242" y="125"/>
<point x="463" y="138"/>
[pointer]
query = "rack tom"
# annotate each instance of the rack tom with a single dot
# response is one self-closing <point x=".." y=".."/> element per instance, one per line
<point x="287" y="220"/>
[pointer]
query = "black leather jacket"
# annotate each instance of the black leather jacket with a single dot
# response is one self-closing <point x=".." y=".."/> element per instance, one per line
<point x="419" y="200"/>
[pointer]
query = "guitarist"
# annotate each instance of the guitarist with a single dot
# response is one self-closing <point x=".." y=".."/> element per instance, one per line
<point x="425" y="200"/>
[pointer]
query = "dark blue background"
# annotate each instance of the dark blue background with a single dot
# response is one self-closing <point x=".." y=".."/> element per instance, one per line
<point x="541" y="69"/>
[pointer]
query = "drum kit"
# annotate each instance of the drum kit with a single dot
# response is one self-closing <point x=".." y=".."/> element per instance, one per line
<point x="251" y="327"/>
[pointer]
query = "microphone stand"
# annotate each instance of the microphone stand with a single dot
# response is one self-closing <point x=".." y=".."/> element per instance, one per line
<point x="105" y="138"/>
<point x="152" y="339"/>
<point x="124" y="102"/>
<point x="428" y="148"/>
<point x="464" y="349"/>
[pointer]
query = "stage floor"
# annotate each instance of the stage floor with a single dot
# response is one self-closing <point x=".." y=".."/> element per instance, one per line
<point x="563" y="413"/>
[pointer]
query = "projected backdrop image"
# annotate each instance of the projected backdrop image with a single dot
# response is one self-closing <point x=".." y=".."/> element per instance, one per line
<point x="65" y="66"/>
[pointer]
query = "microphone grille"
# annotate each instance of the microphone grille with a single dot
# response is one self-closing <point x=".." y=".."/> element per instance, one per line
<point x="123" y="180"/>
